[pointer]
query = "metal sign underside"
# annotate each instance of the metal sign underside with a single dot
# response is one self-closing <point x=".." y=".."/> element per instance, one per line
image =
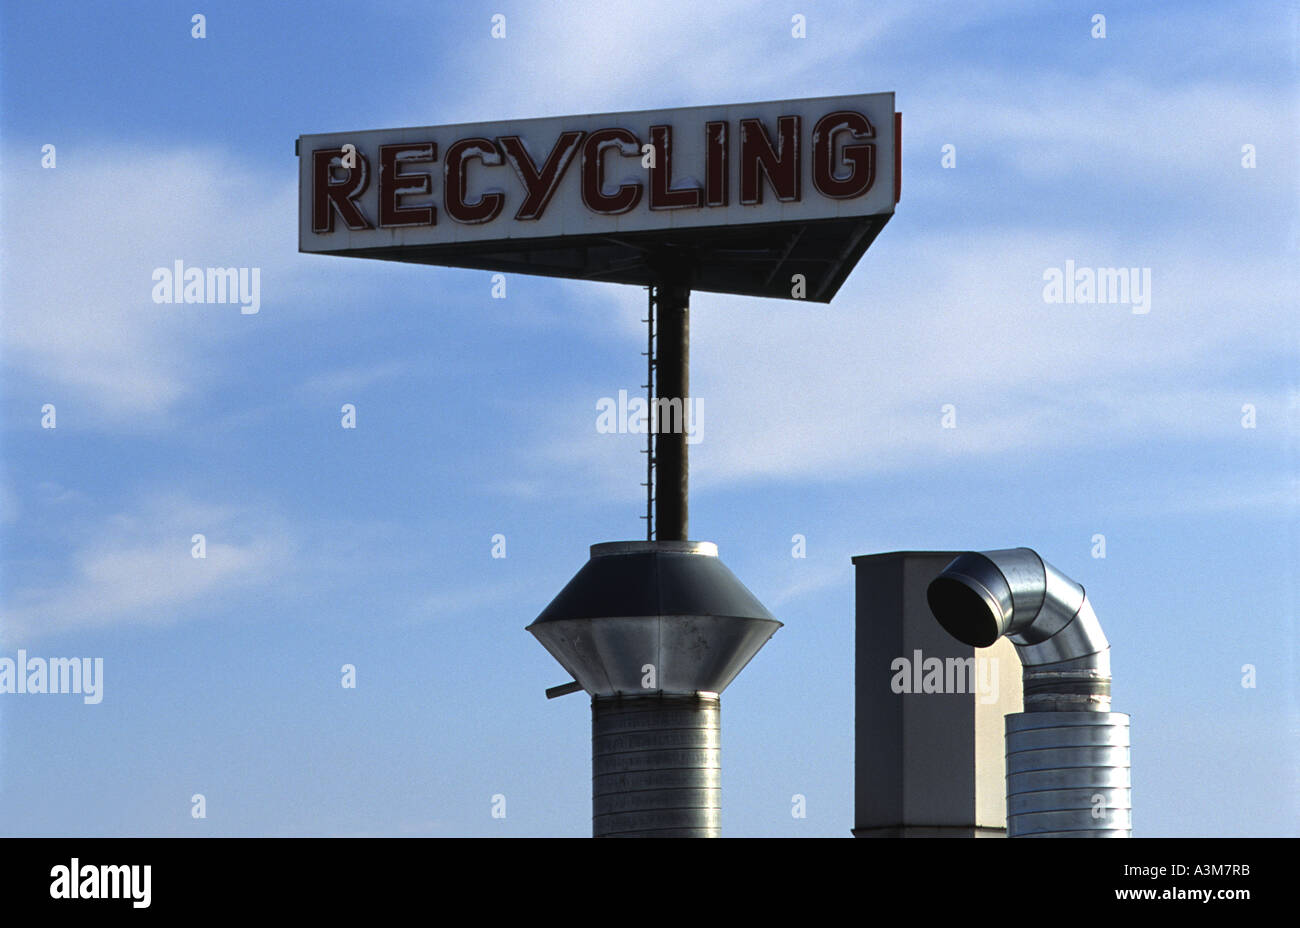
<point x="776" y="199"/>
<point x="759" y="260"/>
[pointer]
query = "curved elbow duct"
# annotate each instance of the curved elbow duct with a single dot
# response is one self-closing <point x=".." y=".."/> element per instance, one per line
<point x="982" y="596"/>
<point x="1067" y="753"/>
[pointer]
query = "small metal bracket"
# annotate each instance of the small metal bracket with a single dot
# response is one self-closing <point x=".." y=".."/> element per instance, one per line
<point x="564" y="689"/>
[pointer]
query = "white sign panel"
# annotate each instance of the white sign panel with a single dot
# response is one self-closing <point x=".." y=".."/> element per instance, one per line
<point x="654" y="176"/>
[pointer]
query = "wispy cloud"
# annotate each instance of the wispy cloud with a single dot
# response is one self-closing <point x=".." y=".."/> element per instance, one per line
<point x="137" y="568"/>
<point x="802" y="579"/>
<point x="860" y="386"/>
<point x="1275" y="495"/>
<point x="80" y="320"/>
<point x="330" y="385"/>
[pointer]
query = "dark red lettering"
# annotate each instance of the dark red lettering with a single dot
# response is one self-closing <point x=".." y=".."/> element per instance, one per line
<point x="393" y="185"/>
<point x="717" y="174"/>
<point x="330" y="197"/>
<point x="593" y="172"/>
<point x="486" y="207"/>
<point x="662" y="195"/>
<point x="860" y="155"/>
<point x="780" y="164"/>
<point x="539" y="185"/>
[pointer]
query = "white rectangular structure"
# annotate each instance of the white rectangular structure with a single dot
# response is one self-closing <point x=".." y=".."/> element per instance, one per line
<point x="928" y="737"/>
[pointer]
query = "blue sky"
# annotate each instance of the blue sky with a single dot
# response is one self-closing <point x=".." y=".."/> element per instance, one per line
<point x="477" y="416"/>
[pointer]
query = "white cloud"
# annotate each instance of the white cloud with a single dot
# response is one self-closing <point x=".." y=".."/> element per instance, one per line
<point x="802" y="579"/>
<point x="938" y="314"/>
<point x="1178" y="144"/>
<point x="930" y="317"/>
<point x="136" y="568"/>
<point x="794" y="390"/>
<point x="80" y="321"/>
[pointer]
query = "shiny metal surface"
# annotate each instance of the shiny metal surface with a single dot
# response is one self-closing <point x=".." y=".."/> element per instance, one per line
<point x="1076" y="820"/>
<point x="656" y="766"/>
<point x="1069" y="778"/>
<point x="645" y="617"/>
<point x="1057" y="758"/>
<point x="1071" y="736"/>
<point x="608" y="548"/>
<point x="688" y="653"/>
<point x="654" y="631"/>
<point x="1058" y="800"/>
<point x="1030" y="721"/>
<point x="1067" y="759"/>
<point x="1068" y="774"/>
<point x="1062" y="599"/>
<point x="982" y="596"/>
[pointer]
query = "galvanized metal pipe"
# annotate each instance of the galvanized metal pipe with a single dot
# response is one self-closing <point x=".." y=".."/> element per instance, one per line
<point x="1067" y="753"/>
<point x="654" y="631"/>
<point x="656" y="766"/>
<point x="1068" y="775"/>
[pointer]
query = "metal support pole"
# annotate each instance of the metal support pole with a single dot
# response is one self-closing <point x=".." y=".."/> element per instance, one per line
<point x="669" y="417"/>
<point x="649" y="387"/>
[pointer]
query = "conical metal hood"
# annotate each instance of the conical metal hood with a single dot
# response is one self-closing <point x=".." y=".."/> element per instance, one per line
<point x="644" y="617"/>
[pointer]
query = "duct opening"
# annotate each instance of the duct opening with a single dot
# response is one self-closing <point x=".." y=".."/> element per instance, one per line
<point x="964" y="612"/>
